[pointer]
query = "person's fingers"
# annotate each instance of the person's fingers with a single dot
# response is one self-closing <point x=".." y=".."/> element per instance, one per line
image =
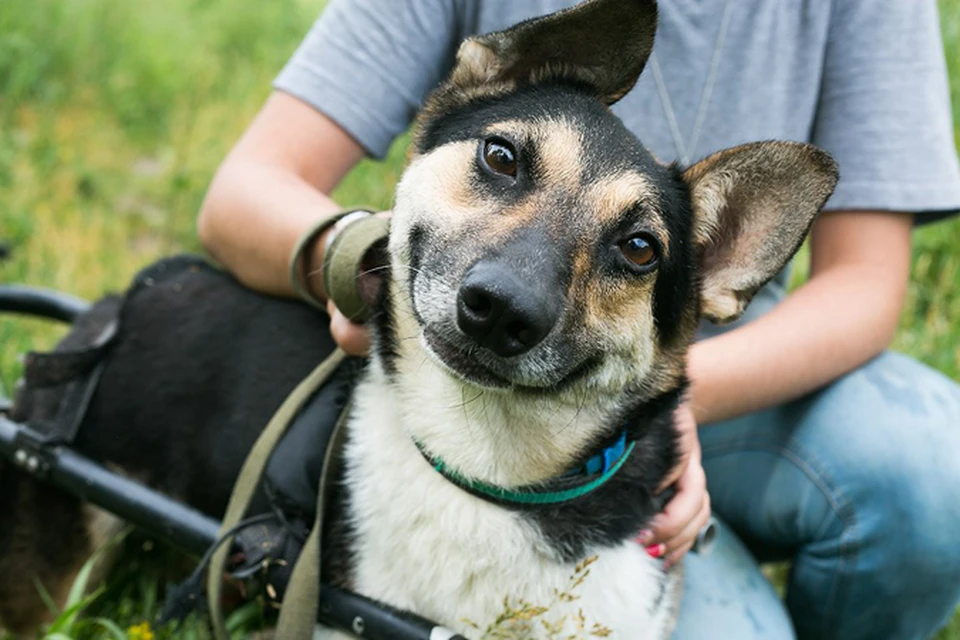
<point x="685" y="505"/>
<point x="677" y="547"/>
<point x="354" y="339"/>
<point x="676" y="556"/>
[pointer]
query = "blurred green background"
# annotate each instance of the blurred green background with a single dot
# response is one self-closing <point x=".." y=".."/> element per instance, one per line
<point x="115" y="114"/>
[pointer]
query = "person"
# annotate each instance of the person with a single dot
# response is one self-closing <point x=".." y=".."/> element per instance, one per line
<point x="815" y="442"/>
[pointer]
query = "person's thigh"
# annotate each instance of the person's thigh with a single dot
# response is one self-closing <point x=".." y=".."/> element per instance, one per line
<point x="726" y="596"/>
<point x="860" y="483"/>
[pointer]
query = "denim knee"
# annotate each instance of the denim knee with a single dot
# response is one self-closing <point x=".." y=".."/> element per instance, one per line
<point x="862" y="481"/>
<point x="884" y="443"/>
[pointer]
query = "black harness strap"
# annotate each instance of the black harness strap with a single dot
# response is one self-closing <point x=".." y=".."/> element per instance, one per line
<point x="62" y="367"/>
<point x="78" y="373"/>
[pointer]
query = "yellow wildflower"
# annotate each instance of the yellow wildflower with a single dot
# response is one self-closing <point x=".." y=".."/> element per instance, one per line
<point x="141" y="631"/>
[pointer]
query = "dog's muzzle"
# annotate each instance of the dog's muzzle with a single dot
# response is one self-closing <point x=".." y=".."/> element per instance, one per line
<point x="500" y="311"/>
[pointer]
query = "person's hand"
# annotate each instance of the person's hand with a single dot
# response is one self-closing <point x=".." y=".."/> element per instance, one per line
<point x="353" y="338"/>
<point x="674" y="531"/>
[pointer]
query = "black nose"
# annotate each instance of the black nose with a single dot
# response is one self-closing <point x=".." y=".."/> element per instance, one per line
<point x="501" y="312"/>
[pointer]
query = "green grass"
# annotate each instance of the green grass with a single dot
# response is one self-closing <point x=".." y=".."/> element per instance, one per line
<point x="113" y="117"/>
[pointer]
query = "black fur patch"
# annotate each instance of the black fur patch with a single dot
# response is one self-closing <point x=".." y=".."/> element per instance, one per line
<point x="385" y="335"/>
<point x="418" y="241"/>
<point x="675" y="292"/>
<point x="200" y="365"/>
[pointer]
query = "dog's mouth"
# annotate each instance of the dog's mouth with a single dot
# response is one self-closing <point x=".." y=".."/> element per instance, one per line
<point x="464" y="366"/>
<point x="461" y="365"/>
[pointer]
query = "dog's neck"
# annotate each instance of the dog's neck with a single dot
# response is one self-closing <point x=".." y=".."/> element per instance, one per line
<point x="503" y="438"/>
<point x="500" y="438"/>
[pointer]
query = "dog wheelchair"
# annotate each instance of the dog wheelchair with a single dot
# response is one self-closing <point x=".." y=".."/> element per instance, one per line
<point x="261" y="552"/>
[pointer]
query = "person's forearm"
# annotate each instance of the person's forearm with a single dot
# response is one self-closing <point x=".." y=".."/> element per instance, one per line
<point x="252" y="218"/>
<point x="846" y="314"/>
<point x="825" y="329"/>
<point x="271" y="189"/>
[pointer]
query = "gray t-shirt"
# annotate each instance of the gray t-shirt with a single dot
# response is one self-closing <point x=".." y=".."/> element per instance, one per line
<point x="864" y="79"/>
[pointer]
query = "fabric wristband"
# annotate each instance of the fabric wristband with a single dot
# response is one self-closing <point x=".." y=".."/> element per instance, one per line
<point x="343" y="261"/>
<point x="298" y="257"/>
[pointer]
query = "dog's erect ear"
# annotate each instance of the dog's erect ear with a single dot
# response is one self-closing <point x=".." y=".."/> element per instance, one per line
<point x="601" y="43"/>
<point x="753" y="206"/>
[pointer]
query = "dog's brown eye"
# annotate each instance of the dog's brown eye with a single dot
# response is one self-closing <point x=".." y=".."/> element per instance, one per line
<point x="640" y="250"/>
<point x="501" y="157"/>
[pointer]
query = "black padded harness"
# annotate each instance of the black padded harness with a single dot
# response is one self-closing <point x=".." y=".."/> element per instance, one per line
<point x="269" y="542"/>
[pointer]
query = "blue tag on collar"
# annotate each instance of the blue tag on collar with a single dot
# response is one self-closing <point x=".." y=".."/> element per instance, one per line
<point x="603" y="461"/>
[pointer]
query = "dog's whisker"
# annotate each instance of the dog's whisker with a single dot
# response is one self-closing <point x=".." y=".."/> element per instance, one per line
<point x="387" y="267"/>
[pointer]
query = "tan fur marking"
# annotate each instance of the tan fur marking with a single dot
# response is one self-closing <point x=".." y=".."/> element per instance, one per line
<point x="621" y="315"/>
<point x="610" y="196"/>
<point x="515" y="128"/>
<point x="580" y="270"/>
<point x="617" y="315"/>
<point x="441" y="182"/>
<point x="447" y="199"/>
<point x="476" y="64"/>
<point x="559" y="149"/>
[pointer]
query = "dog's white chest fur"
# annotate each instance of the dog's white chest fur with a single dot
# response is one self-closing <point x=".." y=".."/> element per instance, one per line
<point x="425" y="545"/>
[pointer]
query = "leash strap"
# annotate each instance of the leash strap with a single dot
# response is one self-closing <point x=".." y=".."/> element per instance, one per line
<point x="249" y="478"/>
<point x="343" y="261"/>
<point x="298" y="614"/>
<point x="299" y="262"/>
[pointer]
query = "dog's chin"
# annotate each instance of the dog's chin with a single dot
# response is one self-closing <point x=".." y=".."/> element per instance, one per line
<point x="466" y="369"/>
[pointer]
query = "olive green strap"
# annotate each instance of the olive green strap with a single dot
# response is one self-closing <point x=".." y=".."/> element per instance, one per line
<point x="299" y="262"/>
<point x="250" y="475"/>
<point x="343" y="262"/>
<point x="298" y="613"/>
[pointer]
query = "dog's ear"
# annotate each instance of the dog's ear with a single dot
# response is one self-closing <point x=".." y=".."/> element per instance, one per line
<point x="753" y="206"/>
<point x="602" y="43"/>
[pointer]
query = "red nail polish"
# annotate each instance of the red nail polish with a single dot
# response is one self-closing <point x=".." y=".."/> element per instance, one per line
<point x="655" y="550"/>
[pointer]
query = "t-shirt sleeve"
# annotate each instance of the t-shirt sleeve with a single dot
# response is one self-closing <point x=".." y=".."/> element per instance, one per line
<point x="369" y="64"/>
<point x="884" y="109"/>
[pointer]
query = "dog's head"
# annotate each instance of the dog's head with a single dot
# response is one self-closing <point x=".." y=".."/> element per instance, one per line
<point x="538" y="248"/>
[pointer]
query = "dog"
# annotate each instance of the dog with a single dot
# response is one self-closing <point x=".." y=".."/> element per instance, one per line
<point x="545" y="278"/>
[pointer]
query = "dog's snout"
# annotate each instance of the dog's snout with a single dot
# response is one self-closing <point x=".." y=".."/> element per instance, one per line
<point x="501" y="312"/>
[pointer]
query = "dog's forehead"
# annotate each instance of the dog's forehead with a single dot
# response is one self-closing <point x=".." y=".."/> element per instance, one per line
<point x="564" y="120"/>
<point x="606" y="179"/>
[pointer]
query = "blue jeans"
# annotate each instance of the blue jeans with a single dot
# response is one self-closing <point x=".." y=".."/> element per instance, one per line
<point x="858" y="484"/>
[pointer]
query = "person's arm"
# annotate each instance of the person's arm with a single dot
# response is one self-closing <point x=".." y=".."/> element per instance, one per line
<point x="842" y="317"/>
<point x="274" y="184"/>
<point x="342" y="95"/>
<point x="883" y="111"/>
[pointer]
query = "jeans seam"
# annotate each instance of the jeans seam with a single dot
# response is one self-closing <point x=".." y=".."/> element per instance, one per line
<point x="838" y="502"/>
